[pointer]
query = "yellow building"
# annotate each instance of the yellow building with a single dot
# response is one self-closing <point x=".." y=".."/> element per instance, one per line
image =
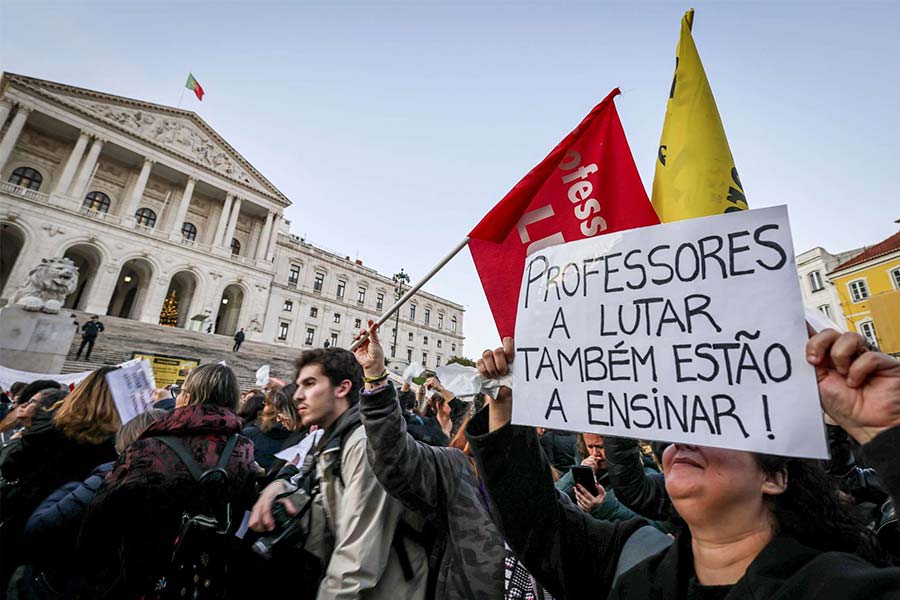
<point x="868" y="286"/>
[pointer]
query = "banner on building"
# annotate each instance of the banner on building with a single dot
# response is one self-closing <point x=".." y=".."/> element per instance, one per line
<point x="689" y="332"/>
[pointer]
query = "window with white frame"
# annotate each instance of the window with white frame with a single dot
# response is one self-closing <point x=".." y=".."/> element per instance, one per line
<point x="288" y="306"/>
<point x="859" y="291"/>
<point x="453" y="324"/>
<point x="341" y="288"/>
<point x="357" y="323"/>
<point x="440" y="320"/>
<point x="361" y="295"/>
<point x="310" y="336"/>
<point x="412" y="312"/>
<point x="334" y="338"/>
<point x="337" y="317"/>
<point x="825" y="310"/>
<point x="411" y="336"/>
<point x="294" y="275"/>
<point x="319" y="282"/>
<point x="283" y="331"/>
<point x="815" y="281"/>
<point x="424" y="359"/>
<point x="313" y="312"/>
<point x="437" y="361"/>
<point x="867" y="328"/>
<point x="409" y="355"/>
<point x="427" y="316"/>
<point x="895" y="278"/>
<point x="379" y="301"/>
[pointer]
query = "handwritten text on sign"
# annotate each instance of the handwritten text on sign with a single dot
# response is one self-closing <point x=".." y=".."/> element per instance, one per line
<point x="686" y="332"/>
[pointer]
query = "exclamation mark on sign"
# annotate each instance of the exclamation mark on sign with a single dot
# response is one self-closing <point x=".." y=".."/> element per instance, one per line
<point x="765" y="400"/>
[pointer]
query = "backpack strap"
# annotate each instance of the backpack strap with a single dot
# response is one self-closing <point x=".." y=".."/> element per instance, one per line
<point x="183" y="454"/>
<point x="190" y="462"/>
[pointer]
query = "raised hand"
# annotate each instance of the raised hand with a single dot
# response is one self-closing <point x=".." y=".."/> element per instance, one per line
<point x="370" y="354"/>
<point x="858" y="388"/>
<point x="493" y="364"/>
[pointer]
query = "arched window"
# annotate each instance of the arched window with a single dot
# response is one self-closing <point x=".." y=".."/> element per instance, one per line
<point x="235" y="247"/>
<point x="145" y="217"/>
<point x="189" y="231"/>
<point x="96" y="201"/>
<point x="27" y="178"/>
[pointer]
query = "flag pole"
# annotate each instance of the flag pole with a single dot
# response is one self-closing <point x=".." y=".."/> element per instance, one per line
<point x="415" y="288"/>
<point x="181" y="97"/>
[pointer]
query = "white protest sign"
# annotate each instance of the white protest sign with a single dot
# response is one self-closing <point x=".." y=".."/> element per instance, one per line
<point x="688" y="332"/>
<point x="131" y="391"/>
<point x="262" y="375"/>
<point x="146" y="366"/>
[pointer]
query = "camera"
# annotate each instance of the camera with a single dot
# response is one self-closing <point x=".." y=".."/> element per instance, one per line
<point x="289" y="532"/>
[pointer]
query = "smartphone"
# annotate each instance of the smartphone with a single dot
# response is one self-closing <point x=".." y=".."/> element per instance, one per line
<point x="585" y="477"/>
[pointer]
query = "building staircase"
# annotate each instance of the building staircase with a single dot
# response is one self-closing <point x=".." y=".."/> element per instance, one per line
<point x="122" y="337"/>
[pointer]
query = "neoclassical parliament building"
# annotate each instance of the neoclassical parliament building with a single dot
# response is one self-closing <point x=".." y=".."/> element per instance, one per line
<point x="155" y="209"/>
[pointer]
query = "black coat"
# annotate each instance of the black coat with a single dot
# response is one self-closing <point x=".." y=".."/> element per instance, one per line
<point x="644" y="493"/>
<point x="561" y="448"/>
<point x="574" y="555"/>
<point x="266" y="444"/>
<point x="140" y="505"/>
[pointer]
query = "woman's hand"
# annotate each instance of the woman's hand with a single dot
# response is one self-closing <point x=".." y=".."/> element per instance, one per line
<point x="858" y="388"/>
<point x="494" y="364"/>
<point x="586" y="500"/>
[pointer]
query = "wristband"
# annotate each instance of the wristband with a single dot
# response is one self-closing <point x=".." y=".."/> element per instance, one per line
<point x="381" y="377"/>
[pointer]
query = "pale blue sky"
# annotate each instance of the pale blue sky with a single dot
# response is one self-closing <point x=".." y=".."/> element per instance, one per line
<point x="394" y="126"/>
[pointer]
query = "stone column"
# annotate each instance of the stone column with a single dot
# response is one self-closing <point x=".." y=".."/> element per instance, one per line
<point x="12" y="134"/>
<point x="5" y="109"/>
<point x="273" y="239"/>
<point x="154" y="297"/>
<point x="232" y="223"/>
<point x="68" y="172"/>
<point x="79" y="188"/>
<point x="175" y="233"/>
<point x="138" y="192"/>
<point x="223" y="220"/>
<point x="102" y="288"/>
<point x="263" y="246"/>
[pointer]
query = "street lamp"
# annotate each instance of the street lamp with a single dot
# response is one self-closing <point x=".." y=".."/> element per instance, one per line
<point x="399" y="279"/>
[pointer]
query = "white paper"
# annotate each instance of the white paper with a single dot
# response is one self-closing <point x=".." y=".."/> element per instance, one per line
<point x="145" y="365"/>
<point x="302" y="448"/>
<point x="617" y="335"/>
<point x="463" y="381"/>
<point x="131" y="391"/>
<point x="413" y="370"/>
<point x="262" y="375"/>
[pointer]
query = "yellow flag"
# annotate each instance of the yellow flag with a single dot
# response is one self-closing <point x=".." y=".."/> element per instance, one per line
<point x="695" y="174"/>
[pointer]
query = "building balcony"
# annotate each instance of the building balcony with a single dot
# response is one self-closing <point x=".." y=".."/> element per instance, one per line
<point x="18" y="190"/>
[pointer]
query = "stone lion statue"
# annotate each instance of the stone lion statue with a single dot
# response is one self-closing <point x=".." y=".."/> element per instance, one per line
<point x="47" y="285"/>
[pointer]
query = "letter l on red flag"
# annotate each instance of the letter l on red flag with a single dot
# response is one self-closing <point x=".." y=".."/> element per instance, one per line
<point x="588" y="185"/>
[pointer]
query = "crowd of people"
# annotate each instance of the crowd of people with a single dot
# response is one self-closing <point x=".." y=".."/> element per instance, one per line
<point x="335" y="484"/>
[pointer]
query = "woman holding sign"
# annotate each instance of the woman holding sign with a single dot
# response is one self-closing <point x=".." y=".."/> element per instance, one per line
<point x="757" y="526"/>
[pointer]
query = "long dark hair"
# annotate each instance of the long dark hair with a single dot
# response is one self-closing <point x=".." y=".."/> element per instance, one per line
<point x="811" y="511"/>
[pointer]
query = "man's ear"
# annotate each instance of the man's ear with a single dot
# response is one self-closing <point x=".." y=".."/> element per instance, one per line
<point x="342" y="390"/>
<point x="775" y="484"/>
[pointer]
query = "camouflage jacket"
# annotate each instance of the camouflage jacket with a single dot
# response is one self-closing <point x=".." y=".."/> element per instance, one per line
<point x="440" y="484"/>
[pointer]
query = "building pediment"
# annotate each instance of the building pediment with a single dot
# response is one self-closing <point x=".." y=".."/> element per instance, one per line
<point x="181" y="132"/>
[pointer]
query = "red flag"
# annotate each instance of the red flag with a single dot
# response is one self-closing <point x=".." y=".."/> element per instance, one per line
<point x="588" y="185"/>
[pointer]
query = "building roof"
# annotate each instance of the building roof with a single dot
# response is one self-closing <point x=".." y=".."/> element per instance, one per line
<point x="181" y="132"/>
<point x="891" y="244"/>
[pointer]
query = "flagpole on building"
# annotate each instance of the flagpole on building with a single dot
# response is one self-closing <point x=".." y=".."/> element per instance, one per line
<point x="181" y="97"/>
<point x="415" y="288"/>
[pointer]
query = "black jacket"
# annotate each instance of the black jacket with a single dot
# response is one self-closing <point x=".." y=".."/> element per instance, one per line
<point x="644" y="493"/>
<point x="91" y="329"/>
<point x="266" y="444"/>
<point x="574" y="555"/>
<point x="239" y="336"/>
<point x="560" y="447"/>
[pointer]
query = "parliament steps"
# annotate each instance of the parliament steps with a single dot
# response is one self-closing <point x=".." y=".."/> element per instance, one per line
<point x="121" y="337"/>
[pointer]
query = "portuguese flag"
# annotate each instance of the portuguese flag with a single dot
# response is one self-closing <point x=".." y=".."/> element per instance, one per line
<point x="193" y="85"/>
